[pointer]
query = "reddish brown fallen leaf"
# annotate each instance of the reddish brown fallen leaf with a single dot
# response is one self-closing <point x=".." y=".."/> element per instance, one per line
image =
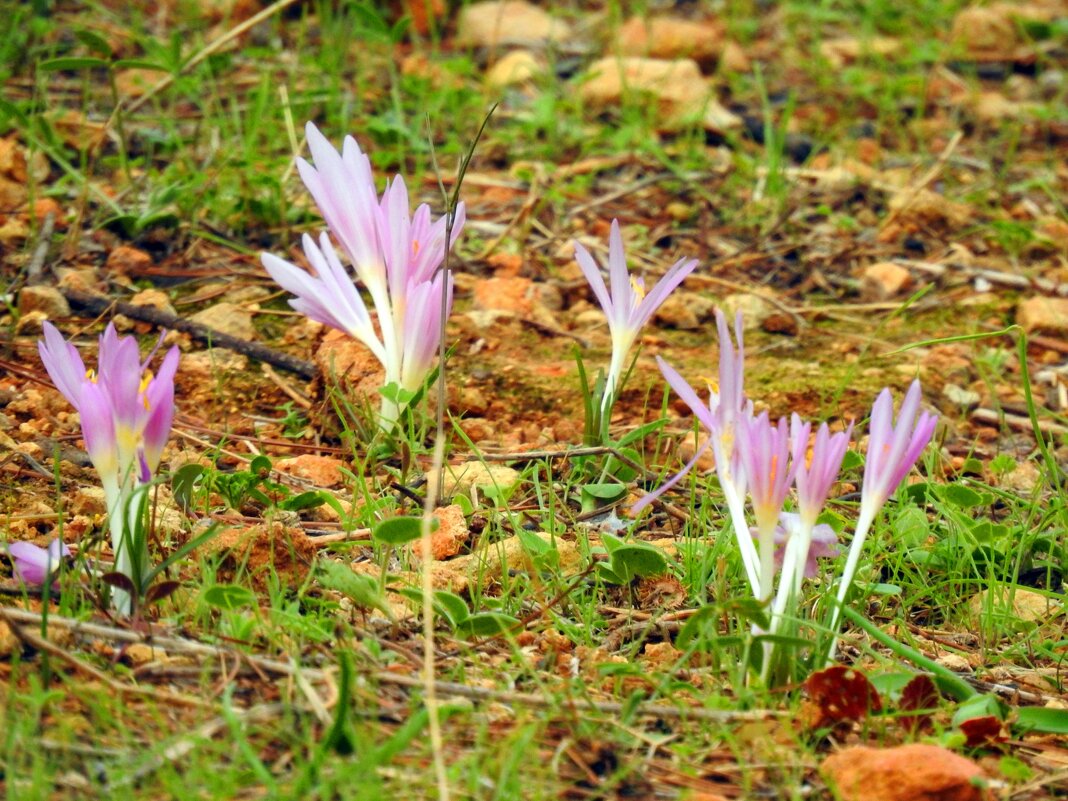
<point x="841" y="694"/>
<point x="916" y="772"/>
<point x="919" y="693"/>
<point x="982" y="731"/>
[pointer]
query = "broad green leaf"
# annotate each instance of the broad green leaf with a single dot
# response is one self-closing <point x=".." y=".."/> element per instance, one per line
<point x="960" y="496"/>
<point x="399" y="530"/>
<point x="595" y="496"/>
<point x="447" y="605"/>
<point x="183" y="482"/>
<point x="638" y="561"/>
<point x="486" y="624"/>
<point x="1042" y="719"/>
<point x="229" y="596"/>
<point x="306" y="500"/>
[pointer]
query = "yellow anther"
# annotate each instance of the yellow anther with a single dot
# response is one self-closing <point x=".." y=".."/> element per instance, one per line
<point x="91" y="375"/>
<point x="638" y="288"/>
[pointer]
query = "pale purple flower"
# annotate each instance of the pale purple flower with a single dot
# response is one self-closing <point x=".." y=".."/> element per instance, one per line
<point x="764" y="452"/>
<point x="34" y="564"/>
<point x="894" y="447"/>
<point x="626" y="305"/>
<point x="126" y="413"/>
<point x="395" y="254"/>
<point x="721" y="415"/>
<point x="816" y="470"/>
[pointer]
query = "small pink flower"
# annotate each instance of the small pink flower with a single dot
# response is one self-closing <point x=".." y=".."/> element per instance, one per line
<point x="34" y="564"/>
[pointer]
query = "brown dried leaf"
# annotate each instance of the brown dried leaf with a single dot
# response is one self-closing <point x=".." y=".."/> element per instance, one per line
<point x="919" y="693"/>
<point x="841" y="694"/>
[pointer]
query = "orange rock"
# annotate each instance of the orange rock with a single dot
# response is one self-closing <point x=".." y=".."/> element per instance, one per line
<point x="916" y="772"/>
<point x="322" y="471"/>
<point x="510" y="22"/>
<point x="126" y="260"/>
<point x="1044" y="315"/>
<point x="342" y="358"/>
<point x="450" y="537"/>
<point x="514" y="294"/>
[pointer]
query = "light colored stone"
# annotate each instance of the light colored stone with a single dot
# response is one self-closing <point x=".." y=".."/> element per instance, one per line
<point x="227" y="318"/>
<point x="155" y="299"/>
<point x="1043" y="315"/>
<point x="1016" y="603"/>
<point x="89" y="501"/>
<point x="671" y="37"/>
<point x="509" y="22"/>
<point x="460" y="478"/>
<point x="207" y="365"/>
<point x="1023" y="479"/>
<point x="883" y="280"/>
<point x="681" y="94"/>
<point x="847" y="49"/>
<point x="31" y="323"/>
<point x="46" y="299"/>
<point x="917" y="772"/>
<point x="322" y="471"/>
<point x="513" y="68"/>
<point x="954" y="662"/>
<point x="685" y="310"/>
<point x="755" y="309"/>
<point x="965" y="398"/>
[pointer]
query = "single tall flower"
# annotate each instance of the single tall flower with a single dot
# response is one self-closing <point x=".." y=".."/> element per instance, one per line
<point x="627" y="306"/>
<point x="395" y="254"/>
<point x="893" y="448"/>
<point x="126" y="414"/>
<point x="722" y="415"/>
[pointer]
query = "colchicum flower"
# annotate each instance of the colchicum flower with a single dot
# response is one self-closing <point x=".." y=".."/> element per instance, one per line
<point x="722" y="415"/>
<point x="33" y="564"/>
<point x="817" y="470"/>
<point x="764" y="452"/>
<point x="126" y="414"/>
<point x="893" y="448"/>
<point x="627" y="306"/>
<point x="395" y="255"/>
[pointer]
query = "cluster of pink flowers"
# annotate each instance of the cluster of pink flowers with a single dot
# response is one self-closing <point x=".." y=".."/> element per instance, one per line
<point x="763" y="459"/>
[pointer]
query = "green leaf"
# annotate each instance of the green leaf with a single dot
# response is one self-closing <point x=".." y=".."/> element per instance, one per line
<point x="852" y="460"/>
<point x="486" y="624"/>
<point x="638" y="561"/>
<point x="960" y="496"/>
<point x="596" y="496"/>
<point x="229" y="596"/>
<point x="183" y="482"/>
<point x="339" y="737"/>
<point x="399" y="530"/>
<point x="361" y="589"/>
<point x="641" y="432"/>
<point x="260" y="467"/>
<point x="306" y="500"/>
<point x="911" y="527"/>
<point x="94" y="41"/>
<point x="979" y="706"/>
<point x="138" y="64"/>
<point x="890" y="683"/>
<point x="72" y="63"/>
<point x="447" y="605"/>
<point x="1042" y="719"/>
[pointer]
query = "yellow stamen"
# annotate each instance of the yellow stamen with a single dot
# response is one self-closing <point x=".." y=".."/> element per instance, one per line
<point x="638" y="288"/>
<point x="146" y="379"/>
<point x="91" y="375"/>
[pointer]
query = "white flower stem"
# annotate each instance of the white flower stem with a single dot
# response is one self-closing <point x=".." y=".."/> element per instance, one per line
<point x="864" y="521"/>
<point x="736" y="505"/>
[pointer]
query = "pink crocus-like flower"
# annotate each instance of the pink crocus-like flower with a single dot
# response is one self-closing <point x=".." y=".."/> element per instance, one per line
<point x="721" y="416"/>
<point x="764" y="452"/>
<point x="626" y="304"/>
<point x="893" y="448"/>
<point x="816" y="470"/>
<point x="394" y="253"/>
<point x="126" y="414"/>
<point x="34" y="564"/>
